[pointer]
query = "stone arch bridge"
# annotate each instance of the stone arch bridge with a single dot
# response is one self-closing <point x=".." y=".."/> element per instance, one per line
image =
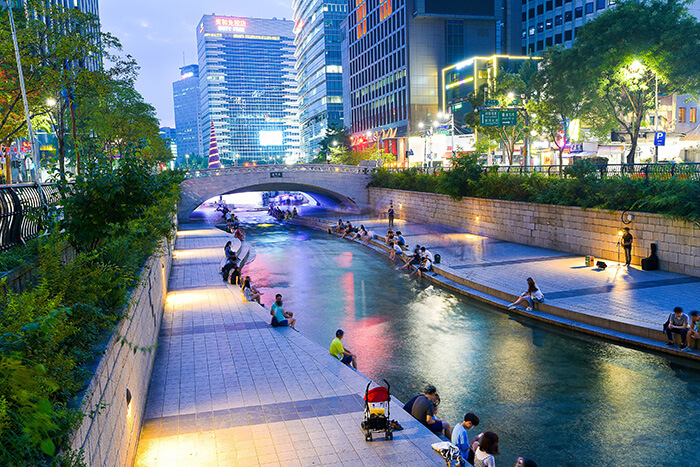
<point x="344" y="184"/>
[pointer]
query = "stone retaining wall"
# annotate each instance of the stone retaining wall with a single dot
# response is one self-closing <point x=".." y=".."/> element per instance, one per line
<point x="570" y="229"/>
<point x="110" y="430"/>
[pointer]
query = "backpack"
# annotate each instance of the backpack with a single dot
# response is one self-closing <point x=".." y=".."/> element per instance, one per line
<point x="274" y="322"/>
<point x="438" y="258"/>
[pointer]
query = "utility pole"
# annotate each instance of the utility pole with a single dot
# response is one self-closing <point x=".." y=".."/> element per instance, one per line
<point x="32" y="138"/>
<point x="656" y="116"/>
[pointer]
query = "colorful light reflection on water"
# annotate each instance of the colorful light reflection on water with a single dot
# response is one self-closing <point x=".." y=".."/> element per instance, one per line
<point x="558" y="397"/>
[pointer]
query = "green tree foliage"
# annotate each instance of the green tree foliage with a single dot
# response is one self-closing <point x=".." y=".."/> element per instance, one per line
<point x="619" y="54"/>
<point x="336" y="138"/>
<point x="556" y="97"/>
<point x="510" y="90"/>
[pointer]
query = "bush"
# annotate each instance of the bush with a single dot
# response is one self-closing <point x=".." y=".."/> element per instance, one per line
<point x="51" y="332"/>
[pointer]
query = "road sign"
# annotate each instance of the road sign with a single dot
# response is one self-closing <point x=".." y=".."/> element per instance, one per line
<point x="660" y="138"/>
<point x="491" y="102"/>
<point x="509" y="118"/>
<point x="490" y="118"/>
<point x="276" y="175"/>
<point x="410" y="152"/>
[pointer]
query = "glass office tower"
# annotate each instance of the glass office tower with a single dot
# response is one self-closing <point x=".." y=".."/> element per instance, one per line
<point x="319" y="68"/>
<point x="248" y="88"/>
<point x="188" y="136"/>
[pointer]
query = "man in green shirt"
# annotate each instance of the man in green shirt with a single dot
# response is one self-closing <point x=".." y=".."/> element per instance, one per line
<point x="340" y="352"/>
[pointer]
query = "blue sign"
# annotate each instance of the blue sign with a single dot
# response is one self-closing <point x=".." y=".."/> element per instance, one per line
<point x="410" y="152"/>
<point x="660" y="138"/>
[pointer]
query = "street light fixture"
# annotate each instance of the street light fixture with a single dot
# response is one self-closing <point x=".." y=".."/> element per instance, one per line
<point x="420" y="124"/>
<point x="51" y="102"/>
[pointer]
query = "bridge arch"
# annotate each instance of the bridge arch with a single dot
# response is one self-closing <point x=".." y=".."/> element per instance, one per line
<point x="346" y="185"/>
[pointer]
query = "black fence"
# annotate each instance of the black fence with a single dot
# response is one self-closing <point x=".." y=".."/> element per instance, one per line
<point x="684" y="171"/>
<point x="23" y="212"/>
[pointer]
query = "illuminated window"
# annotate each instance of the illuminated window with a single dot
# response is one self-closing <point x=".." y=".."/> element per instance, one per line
<point x="681" y="115"/>
<point x="693" y="115"/>
<point x="384" y="10"/>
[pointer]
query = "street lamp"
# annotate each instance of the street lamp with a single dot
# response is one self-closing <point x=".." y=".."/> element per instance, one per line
<point x="420" y="124"/>
<point x="51" y="102"/>
<point x="335" y="143"/>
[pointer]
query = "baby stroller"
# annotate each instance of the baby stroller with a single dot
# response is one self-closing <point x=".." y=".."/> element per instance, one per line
<point x="377" y="411"/>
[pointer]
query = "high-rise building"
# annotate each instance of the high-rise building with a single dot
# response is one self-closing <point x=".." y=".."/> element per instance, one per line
<point x="319" y="68"/>
<point x="393" y="55"/>
<point x="168" y="135"/>
<point x="248" y="88"/>
<point x="188" y="136"/>
<point x="556" y="22"/>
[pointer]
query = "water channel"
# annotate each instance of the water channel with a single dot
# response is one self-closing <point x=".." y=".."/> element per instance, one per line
<point x="558" y="397"/>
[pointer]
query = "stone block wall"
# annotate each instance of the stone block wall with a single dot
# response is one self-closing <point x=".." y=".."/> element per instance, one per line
<point x="570" y="229"/>
<point x="110" y="430"/>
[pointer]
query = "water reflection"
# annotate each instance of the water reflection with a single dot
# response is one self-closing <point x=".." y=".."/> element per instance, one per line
<point x="561" y="398"/>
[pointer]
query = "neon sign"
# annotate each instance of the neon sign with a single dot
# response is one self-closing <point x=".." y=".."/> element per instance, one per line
<point x="231" y="23"/>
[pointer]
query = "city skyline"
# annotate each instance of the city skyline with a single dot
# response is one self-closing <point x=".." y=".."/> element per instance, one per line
<point x="156" y="35"/>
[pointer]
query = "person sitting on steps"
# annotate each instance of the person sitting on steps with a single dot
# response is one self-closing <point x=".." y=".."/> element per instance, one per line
<point x="532" y="295"/>
<point x="413" y="260"/>
<point x="694" y="331"/>
<point x="678" y="323"/>
<point x="250" y="293"/>
<point x="283" y="318"/>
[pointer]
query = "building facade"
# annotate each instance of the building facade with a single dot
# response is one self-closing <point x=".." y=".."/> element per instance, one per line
<point x="555" y="22"/>
<point x="393" y="55"/>
<point x="319" y="69"/>
<point x="168" y="134"/>
<point x="248" y="88"/>
<point x="188" y="134"/>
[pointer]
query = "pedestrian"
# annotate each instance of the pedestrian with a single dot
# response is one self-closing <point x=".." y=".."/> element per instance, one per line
<point x="677" y="323"/>
<point x="390" y="212"/>
<point x="460" y="437"/>
<point x="488" y="448"/>
<point x="532" y="295"/>
<point x="340" y="352"/>
<point x="627" y="246"/>
<point x="694" y="331"/>
<point x="281" y="317"/>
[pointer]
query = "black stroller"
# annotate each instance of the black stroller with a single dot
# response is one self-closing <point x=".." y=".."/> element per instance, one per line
<point x="377" y="402"/>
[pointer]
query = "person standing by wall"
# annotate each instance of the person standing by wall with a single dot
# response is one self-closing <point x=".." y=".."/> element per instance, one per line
<point x="390" y="212"/>
<point x="627" y="246"/>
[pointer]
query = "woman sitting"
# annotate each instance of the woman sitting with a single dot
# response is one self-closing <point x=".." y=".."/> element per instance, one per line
<point x="250" y="293"/>
<point x="531" y="296"/>
<point x="230" y="254"/>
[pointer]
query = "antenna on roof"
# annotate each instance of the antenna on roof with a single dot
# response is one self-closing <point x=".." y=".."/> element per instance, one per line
<point x="183" y="58"/>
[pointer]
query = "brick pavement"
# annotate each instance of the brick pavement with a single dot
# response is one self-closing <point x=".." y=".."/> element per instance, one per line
<point x="227" y="389"/>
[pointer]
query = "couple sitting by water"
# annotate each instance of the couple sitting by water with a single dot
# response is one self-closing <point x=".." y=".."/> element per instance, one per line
<point x="281" y="317"/>
<point x="396" y="238"/>
<point x="422" y="259"/>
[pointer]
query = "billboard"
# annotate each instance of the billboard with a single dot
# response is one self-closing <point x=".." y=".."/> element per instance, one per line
<point x="271" y="138"/>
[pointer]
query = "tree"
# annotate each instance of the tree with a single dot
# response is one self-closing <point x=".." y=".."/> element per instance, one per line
<point x="336" y="136"/>
<point x="508" y="88"/>
<point x="620" y="53"/>
<point x="556" y="99"/>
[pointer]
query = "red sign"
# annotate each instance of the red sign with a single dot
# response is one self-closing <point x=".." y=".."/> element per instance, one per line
<point x="231" y="22"/>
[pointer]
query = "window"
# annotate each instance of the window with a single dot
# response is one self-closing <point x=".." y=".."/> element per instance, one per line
<point x="693" y="115"/>
<point x="599" y="4"/>
<point x="558" y="3"/>
<point x="524" y="33"/>
<point x="531" y="13"/>
<point x="681" y="114"/>
<point x="548" y="24"/>
<point x="567" y="16"/>
<point x="548" y="41"/>
<point x="524" y="18"/>
<point x="567" y="35"/>
<point x="531" y="48"/>
<point x="589" y="8"/>
<point x="384" y="10"/>
<point x="540" y="9"/>
<point x="540" y="45"/>
<point x="532" y="31"/>
<point x="540" y="27"/>
<point x="578" y="12"/>
<point x="549" y="5"/>
<point x="557" y="39"/>
<point x="454" y="41"/>
<point x="558" y="20"/>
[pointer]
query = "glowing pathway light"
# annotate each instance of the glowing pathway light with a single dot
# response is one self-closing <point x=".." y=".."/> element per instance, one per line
<point x="214" y="161"/>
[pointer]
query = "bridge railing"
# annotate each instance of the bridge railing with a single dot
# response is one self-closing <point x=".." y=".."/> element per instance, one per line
<point x="280" y="168"/>
<point x="22" y="211"/>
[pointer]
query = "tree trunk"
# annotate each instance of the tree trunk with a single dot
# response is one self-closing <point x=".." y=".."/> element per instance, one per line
<point x="61" y="138"/>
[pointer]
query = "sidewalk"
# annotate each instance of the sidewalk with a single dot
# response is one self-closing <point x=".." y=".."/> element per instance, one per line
<point x="227" y="389"/>
<point x="623" y="304"/>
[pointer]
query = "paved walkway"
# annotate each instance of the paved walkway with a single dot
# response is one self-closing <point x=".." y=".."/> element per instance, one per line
<point x="227" y="389"/>
<point x="618" y="294"/>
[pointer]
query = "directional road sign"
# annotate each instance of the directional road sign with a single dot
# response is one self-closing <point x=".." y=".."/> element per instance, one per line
<point x="490" y="118"/>
<point x="509" y="118"/>
<point x="491" y="102"/>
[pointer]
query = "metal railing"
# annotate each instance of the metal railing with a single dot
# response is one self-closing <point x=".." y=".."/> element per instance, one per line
<point x="317" y="168"/>
<point x="22" y="211"/>
<point x="683" y="171"/>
